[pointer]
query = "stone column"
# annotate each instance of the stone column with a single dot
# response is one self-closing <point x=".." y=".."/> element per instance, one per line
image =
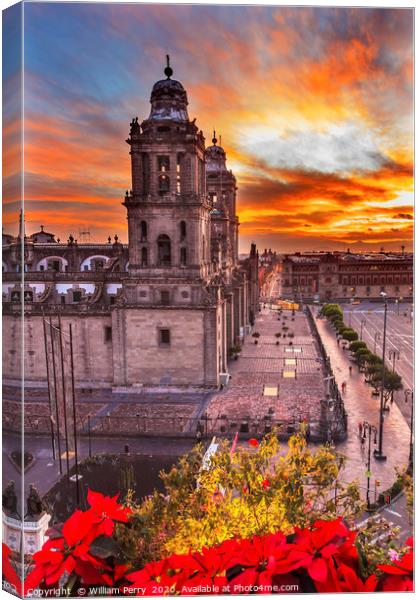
<point x="118" y="347"/>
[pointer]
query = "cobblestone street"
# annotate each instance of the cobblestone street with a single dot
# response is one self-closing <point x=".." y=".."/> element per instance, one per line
<point x="362" y="406"/>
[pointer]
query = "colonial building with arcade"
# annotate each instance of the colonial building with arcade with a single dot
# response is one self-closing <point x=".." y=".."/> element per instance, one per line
<point x="163" y="310"/>
<point x="343" y="276"/>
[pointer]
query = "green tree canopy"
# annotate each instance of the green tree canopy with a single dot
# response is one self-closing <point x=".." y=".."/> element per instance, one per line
<point x="362" y="356"/>
<point x="331" y="310"/>
<point x="355" y="346"/>
<point x="392" y="382"/>
<point x="349" y="334"/>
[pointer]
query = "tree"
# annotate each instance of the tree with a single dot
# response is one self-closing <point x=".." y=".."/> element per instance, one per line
<point x="392" y="383"/>
<point x="255" y="490"/>
<point x="355" y="346"/>
<point x="374" y="359"/>
<point x="349" y="334"/>
<point x="371" y="371"/>
<point x="330" y="310"/>
<point x="362" y="357"/>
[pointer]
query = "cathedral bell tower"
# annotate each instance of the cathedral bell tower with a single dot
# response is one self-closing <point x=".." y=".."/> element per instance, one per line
<point x="221" y="190"/>
<point x="167" y="208"/>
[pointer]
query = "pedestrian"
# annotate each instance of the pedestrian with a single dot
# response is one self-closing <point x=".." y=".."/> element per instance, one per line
<point x="350" y="369"/>
<point x="343" y="387"/>
<point x="338" y="341"/>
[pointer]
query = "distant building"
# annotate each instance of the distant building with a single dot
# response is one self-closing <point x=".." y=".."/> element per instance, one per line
<point x="268" y="258"/>
<point x="162" y="310"/>
<point x="328" y="276"/>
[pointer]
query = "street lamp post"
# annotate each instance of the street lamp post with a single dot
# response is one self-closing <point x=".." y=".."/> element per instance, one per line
<point x="376" y="339"/>
<point x="369" y="429"/>
<point x="362" y="323"/>
<point x="378" y="454"/>
<point x="409" y="394"/>
<point x="394" y="355"/>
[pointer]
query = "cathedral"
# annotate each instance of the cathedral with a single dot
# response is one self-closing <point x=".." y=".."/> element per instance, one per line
<point x="168" y="308"/>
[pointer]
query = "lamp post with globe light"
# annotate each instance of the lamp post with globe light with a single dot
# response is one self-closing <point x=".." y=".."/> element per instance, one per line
<point x="378" y="453"/>
<point x="367" y="431"/>
<point x="409" y="397"/>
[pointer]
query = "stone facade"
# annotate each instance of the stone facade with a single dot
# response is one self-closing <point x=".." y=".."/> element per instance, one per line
<point x="164" y="309"/>
<point x="343" y="276"/>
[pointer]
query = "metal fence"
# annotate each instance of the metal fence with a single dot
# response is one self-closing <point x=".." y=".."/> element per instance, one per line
<point x="335" y="414"/>
<point x="184" y="427"/>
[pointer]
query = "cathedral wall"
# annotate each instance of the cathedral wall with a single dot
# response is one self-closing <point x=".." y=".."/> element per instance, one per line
<point x="145" y="360"/>
<point x="92" y="349"/>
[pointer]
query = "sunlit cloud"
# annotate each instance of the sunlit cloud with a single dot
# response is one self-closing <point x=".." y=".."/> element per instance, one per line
<point x="314" y="106"/>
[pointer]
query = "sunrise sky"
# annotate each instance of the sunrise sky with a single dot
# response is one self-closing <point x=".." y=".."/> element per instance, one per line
<point x="314" y="106"/>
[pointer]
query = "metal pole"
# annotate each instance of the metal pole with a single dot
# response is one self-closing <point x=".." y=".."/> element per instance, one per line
<point x="368" y="470"/>
<point x="76" y="459"/>
<point x="63" y="387"/>
<point x="407" y="393"/>
<point x="55" y="394"/>
<point x="48" y="384"/>
<point x="378" y="452"/>
<point x="410" y="459"/>
<point x="89" y="437"/>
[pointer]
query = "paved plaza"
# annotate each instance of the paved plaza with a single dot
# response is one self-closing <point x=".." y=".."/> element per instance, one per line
<point x="292" y="369"/>
<point x="258" y="365"/>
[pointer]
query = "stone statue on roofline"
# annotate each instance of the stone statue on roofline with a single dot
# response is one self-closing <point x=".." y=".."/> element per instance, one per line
<point x="34" y="504"/>
<point x="9" y="499"/>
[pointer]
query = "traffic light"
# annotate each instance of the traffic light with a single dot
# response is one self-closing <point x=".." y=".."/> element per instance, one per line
<point x="377" y="483"/>
<point x="387" y="499"/>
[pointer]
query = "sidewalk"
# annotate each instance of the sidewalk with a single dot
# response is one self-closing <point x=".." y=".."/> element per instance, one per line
<point x="362" y="406"/>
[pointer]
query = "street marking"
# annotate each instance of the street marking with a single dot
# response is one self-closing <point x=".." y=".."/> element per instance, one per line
<point x="374" y="517"/>
<point x="379" y="538"/>
<point x="393" y="512"/>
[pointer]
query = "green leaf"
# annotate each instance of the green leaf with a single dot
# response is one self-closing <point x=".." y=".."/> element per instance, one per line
<point x="104" y="547"/>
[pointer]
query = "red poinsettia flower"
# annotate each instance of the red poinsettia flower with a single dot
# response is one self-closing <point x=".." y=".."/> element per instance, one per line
<point x="399" y="575"/>
<point x="345" y="579"/>
<point x="313" y="549"/>
<point x="258" y="559"/>
<point x="206" y="568"/>
<point x="253" y="442"/>
<point x="70" y="553"/>
<point x="9" y="573"/>
<point x="107" y="510"/>
<point x="150" y="576"/>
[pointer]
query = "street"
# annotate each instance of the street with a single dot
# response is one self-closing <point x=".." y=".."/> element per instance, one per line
<point x="367" y="319"/>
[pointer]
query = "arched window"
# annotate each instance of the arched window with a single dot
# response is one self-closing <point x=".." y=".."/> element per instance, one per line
<point x="164" y="250"/>
<point x="144" y="257"/>
<point x="183" y="230"/>
<point x="183" y="257"/>
<point x="143" y="231"/>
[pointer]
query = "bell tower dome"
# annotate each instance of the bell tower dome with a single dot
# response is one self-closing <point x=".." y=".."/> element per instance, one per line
<point x="169" y="99"/>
